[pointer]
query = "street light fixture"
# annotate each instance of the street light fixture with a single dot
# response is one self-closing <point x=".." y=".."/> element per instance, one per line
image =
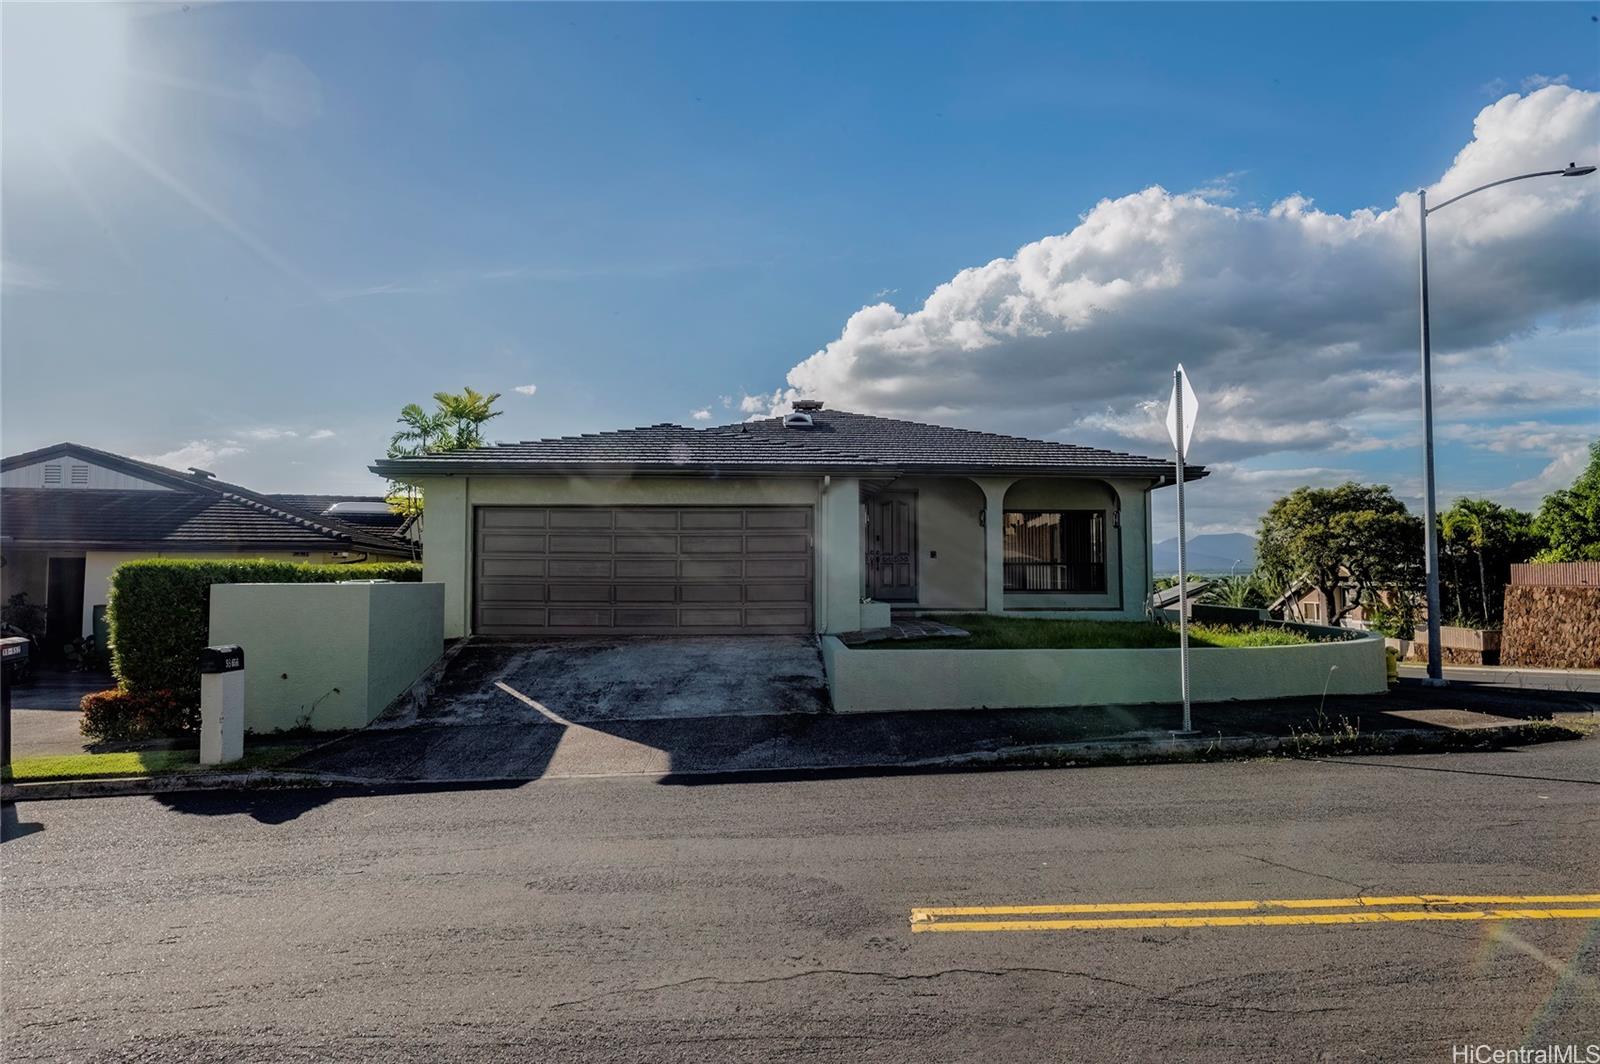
<point x="1430" y="510"/>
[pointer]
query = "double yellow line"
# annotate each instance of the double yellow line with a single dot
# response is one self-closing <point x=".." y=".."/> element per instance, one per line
<point x="1281" y="912"/>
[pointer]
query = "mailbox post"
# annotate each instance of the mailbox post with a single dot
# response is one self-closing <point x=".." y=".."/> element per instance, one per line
<point x="221" y="704"/>
<point x="13" y="652"/>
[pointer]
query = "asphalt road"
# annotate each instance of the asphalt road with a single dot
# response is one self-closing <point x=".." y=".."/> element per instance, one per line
<point x="1509" y="678"/>
<point x="625" y="920"/>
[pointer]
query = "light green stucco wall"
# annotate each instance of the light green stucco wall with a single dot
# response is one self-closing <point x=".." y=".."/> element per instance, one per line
<point x="947" y="525"/>
<point x="336" y="653"/>
<point x="947" y="517"/>
<point x="866" y="680"/>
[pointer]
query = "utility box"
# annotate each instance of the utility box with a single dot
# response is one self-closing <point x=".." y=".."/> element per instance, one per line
<point x="221" y="704"/>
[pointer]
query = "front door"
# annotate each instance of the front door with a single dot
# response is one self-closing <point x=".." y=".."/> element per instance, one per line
<point x="63" y="617"/>
<point x="892" y="547"/>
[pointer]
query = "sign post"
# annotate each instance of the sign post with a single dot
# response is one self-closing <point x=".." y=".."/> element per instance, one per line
<point x="1181" y="412"/>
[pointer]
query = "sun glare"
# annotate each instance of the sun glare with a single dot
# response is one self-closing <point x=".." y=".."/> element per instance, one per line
<point x="64" y="70"/>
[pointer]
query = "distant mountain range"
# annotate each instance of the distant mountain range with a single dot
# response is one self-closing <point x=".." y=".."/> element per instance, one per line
<point x="1208" y="554"/>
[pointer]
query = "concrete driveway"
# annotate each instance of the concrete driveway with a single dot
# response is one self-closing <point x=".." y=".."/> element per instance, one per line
<point x="44" y="713"/>
<point x="621" y="679"/>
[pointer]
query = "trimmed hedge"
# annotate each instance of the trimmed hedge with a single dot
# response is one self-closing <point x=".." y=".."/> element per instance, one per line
<point x="160" y="610"/>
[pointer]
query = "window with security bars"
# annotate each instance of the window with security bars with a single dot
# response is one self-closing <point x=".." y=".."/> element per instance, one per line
<point x="1057" y="551"/>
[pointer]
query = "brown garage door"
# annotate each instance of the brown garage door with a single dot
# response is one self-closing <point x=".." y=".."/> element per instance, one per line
<point x="579" y="570"/>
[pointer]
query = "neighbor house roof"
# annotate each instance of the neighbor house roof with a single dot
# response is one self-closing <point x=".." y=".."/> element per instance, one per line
<point x="836" y="441"/>
<point x="388" y="520"/>
<point x="200" y="512"/>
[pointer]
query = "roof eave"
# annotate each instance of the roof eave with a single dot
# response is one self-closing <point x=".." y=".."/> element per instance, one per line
<point x="402" y="470"/>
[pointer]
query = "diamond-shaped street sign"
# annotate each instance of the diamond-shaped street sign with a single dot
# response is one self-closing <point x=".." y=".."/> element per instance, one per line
<point x="1191" y="408"/>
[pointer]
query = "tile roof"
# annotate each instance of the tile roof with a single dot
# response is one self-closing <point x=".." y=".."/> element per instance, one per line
<point x="388" y="523"/>
<point x="109" y="519"/>
<point x="837" y="441"/>
<point x="226" y="515"/>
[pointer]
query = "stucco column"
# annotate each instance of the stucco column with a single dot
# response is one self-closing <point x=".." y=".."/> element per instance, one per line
<point x="839" y="552"/>
<point x="994" y="574"/>
<point x="447" y="548"/>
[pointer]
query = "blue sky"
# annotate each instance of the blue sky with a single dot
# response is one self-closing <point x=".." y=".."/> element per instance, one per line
<point x="242" y="236"/>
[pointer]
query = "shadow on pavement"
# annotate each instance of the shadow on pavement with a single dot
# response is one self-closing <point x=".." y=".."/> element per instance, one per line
<point x="484" y="727"/>
<point x="282" y="806"/>
<point x="11" y="827"/>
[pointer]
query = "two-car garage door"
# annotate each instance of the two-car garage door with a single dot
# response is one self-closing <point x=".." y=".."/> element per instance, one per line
<point x="583" y="570"/>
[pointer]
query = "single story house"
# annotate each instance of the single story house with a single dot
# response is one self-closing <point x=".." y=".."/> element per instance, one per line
<point x="70" y="514"/>
<point x="781" y="525"/>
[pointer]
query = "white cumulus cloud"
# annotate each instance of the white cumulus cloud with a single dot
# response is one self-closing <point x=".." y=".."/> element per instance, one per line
<point x="201" y="453"/>
<point x="1298" y="325"/>
<point x="526" y="389"/>
<point x="703" y="414"/>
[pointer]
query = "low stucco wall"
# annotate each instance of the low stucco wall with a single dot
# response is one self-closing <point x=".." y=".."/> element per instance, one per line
<point x="327" y="656"/>
<point x="864" y="680"/>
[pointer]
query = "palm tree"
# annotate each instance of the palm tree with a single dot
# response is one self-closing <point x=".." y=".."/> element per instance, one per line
<point x="464" y="413"/>
<point x="1483" y="528"/>
<point x="420" y="432"/>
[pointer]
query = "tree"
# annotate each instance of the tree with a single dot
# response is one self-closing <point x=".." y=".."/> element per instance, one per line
<point x="1478" y="541"/>
<point x="454" y="424"/>
<point x="1569" y="518"/>
<point x="1243" y="591"/>
<point x="463" y="415"/>
<point x="1353" y="534"/>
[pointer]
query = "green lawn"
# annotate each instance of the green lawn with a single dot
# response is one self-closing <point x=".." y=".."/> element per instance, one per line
<point x="1019" y="633"/>
<point x="137" y="763"/>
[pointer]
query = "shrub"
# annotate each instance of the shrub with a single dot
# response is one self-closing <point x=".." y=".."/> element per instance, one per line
<point x="119" y="716"/>
<point x="160" y="608"/>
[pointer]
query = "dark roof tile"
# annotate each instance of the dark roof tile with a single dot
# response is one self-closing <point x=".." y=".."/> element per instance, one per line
<point x="837" y="440"/>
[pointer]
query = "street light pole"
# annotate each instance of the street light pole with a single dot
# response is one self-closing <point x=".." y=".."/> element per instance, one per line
<point x="1430" y="529"/>
<point x="1430" y="553"/>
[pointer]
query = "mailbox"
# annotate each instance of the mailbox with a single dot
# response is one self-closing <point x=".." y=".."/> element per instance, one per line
<point x="13" y="654"/>
<point x="221" y="704"/>
<point x="226" y="658"/>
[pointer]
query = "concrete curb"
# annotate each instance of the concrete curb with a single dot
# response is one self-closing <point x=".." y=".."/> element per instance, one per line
<point x="1133" y="750"/>
<point x="178" y="782"/>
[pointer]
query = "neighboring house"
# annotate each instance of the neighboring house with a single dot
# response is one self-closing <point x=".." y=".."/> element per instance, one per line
<point x="71" y="514"/>
<point x="1167" y="597"/>
<point x="1302" y="602"/>
<point x="780" y="525"/>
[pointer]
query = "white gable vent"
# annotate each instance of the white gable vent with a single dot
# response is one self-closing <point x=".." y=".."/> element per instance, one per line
<point x="52" y="474"/>
<point x="80" y="475"/>
<point x="798" y="420"/>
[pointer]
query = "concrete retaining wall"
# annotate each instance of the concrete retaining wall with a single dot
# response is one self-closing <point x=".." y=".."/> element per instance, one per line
<point x="1459" y="646"/>
<point x="864" y="680"/>
<point x="327" y="656"/>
